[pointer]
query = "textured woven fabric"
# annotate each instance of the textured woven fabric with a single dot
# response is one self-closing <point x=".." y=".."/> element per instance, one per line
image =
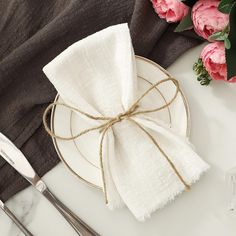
<point x="32" y="34"/>
<point x="136" y="172"/>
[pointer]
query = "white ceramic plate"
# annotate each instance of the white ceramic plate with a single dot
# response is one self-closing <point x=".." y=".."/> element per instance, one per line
<point x="81" y="155"/>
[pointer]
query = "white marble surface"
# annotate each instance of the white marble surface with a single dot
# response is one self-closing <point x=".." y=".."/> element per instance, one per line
<point x="201" y="211"/>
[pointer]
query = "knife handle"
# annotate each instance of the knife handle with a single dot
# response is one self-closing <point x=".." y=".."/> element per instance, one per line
<point x="16" y="221"/>
<point x="79" y="225"/>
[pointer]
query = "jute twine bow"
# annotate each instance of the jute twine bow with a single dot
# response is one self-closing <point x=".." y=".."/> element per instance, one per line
<point x="109" y="122"/>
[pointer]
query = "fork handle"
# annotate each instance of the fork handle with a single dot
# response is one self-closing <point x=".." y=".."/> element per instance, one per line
<point x="16" y="221"/>
<point x="79" y="225"/>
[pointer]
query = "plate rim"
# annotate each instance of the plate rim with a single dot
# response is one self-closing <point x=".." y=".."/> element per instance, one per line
<point x="53" y="114"/>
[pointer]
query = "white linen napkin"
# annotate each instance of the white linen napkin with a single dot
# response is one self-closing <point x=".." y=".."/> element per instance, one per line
<point x="98" y="75"/>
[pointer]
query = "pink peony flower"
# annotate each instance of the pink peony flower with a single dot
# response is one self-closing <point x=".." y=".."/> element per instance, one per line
<point x="213" y="57"/>
<point x="207" y="19"/>
<point x="171" y="10"/>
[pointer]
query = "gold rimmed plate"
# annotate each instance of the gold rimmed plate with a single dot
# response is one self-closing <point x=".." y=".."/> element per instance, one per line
<point x="81" y="155"/>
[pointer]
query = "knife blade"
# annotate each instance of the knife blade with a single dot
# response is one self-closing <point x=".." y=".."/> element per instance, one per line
<point x="17" y="160"/>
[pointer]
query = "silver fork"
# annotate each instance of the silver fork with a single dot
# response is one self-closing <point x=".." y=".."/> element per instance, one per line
<point x="25" y="231"/>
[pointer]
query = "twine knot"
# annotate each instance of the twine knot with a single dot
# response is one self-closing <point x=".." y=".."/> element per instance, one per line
<point x="126" y="114"/>
<point x="121" y="116"/>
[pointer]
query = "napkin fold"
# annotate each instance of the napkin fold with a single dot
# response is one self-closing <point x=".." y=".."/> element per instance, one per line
<point x="98" y="75"/>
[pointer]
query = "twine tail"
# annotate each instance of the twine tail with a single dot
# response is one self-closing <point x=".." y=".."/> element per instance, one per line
<point x="101" y="162"/>
<point x="187" y="186"/>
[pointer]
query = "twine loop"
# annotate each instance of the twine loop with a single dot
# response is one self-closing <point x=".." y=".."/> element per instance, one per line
<point x="111" y="121"/>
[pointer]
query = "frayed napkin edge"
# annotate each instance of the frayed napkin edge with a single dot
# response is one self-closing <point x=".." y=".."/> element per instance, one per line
<point x="172" y="197"/>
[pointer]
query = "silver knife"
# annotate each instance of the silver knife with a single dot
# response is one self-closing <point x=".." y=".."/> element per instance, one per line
<point x="18" y="161"/>
<point x="15" y="220"/>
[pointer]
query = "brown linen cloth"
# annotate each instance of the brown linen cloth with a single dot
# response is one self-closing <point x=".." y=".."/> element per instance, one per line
<point x="32" y="33"/>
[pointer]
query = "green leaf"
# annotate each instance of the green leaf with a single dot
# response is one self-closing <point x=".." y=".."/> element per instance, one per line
<point x="185" y="24"/>
<point x="218" y="36"/>
<point x="189" y="3"/>
<point x="205" y="81"/>
<point x="201" y="72"/>
<point x="225" y="6"/>
<point x="231" y="53"/>
<point x="227" y="43"/>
